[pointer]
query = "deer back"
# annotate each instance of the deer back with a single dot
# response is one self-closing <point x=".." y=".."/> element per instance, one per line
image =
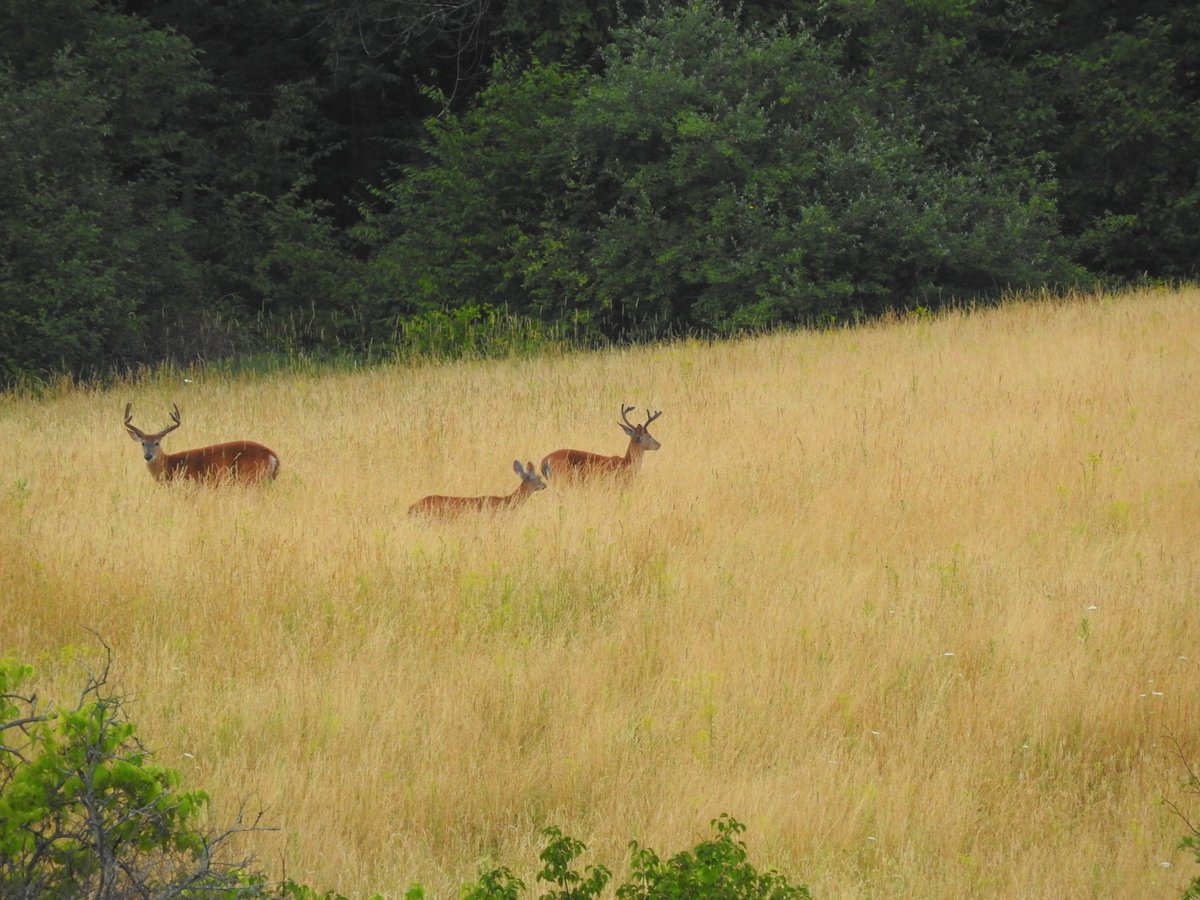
<point x="234" y="460"/>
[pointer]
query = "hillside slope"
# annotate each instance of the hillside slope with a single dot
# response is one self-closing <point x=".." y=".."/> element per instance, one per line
<point x="915" y="602"/>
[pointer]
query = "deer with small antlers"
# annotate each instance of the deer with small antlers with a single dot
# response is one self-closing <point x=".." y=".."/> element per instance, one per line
<point x="579" y="465"/>
<point x="438" y="505"/>
<point x="236" y="460"/>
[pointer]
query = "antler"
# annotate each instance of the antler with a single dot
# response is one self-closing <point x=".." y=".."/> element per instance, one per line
<point x="132" y="429"/>
<point x="626" y="410"/>
<point x="129" y="426"/>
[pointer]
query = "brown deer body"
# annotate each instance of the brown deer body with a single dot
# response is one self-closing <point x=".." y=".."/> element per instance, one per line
<point x="235" y="460"/>
<point x="581" y="465"/>
<point x="439" y="505"/>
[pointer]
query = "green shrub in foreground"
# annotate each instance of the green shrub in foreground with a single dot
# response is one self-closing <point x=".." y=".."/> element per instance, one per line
<point x="1191" y="840"/>
<point x="85" y="812"/>
<point x="715" y="868"/>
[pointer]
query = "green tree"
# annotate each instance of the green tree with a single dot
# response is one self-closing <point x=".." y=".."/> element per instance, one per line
<point x="85" y="812"/>
<point x="84" y="252"/>
<point x="139" y="202"/>
<point x="712" y="176"/>
<point x="453" y="233"/>
<point x="1129" y="105"/>
<point x="1103" y="93"/>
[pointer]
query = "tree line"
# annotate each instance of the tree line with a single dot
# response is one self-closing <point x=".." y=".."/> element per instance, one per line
<point x="185" y="180"/>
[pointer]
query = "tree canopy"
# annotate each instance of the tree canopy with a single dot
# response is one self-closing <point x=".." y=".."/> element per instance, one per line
<point x="183" y="180"/>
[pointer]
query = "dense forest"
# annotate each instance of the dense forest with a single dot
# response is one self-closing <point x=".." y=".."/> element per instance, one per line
<point x="196" y="179"/>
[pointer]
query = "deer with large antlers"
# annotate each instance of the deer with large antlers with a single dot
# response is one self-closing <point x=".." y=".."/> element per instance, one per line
<point x="578" y="465"/>
<point x="236" y="460"/>
<point x="438" y="505"/>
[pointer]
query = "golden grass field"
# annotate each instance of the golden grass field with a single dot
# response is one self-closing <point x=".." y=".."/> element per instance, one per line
<point x="916" y="602"/>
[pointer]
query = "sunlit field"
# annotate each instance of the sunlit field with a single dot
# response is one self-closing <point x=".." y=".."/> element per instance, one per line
<point x="916" y="602"/>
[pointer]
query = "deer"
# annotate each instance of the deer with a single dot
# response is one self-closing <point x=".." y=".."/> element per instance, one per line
<point x="580" y="465"/>
<point x="237" y="460"/>
<point x="438" y="505"/>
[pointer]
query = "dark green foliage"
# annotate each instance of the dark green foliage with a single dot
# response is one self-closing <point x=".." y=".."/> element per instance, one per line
<point x="713" y="177"/>
<point x="1104" y="92"/>
<point x="138" y="201"/>
<point x="89" y="237"/>
<point x="282" y="255"/>
<point x="754" y="184"/>
<point x="454" y="233"/>
<point x="1130" y="107"/>
<point x="184" y="180"/>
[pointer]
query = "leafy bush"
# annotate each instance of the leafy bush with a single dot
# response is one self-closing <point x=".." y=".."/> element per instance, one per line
<point x="1191" y="840"/>
<point x="716" y="868"/>
<point x="713" y="176"/>
<point x="85" y="812"/>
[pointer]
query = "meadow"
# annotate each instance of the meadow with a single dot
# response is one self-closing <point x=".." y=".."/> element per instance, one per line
<point x="914" y="601"/>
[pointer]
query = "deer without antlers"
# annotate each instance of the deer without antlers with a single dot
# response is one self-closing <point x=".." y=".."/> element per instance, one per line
<point x="578" y="465"/>
<point x="241" y="460"/>
<point x="438" y="505"/>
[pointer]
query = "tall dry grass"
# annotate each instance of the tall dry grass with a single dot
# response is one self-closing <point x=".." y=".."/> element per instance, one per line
<point x="917" y="602"/>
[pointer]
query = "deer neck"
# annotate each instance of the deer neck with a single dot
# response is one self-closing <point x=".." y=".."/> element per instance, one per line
<point x="633" y="455"/>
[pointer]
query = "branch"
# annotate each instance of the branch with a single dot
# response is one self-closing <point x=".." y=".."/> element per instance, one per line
<point x="1191" y="783"/>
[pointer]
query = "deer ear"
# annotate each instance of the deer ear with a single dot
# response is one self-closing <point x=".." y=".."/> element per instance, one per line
<point x="518" y="468"/>
<point x="629" y="431"/>
<point x="132" y="434"/>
